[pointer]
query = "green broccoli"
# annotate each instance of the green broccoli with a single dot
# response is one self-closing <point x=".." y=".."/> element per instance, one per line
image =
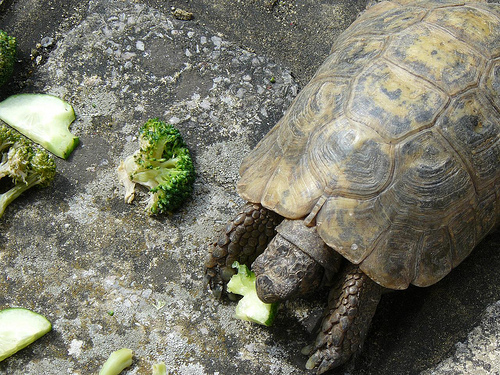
<point x="7" y="56"/>
<point x="24" y="164"/>
<point x="163" y="164"/>
<point x="250" y="307"/>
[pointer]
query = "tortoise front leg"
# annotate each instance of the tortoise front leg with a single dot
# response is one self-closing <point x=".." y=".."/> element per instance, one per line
<point x="243" y="239"/>
<point x="351" y="305"/>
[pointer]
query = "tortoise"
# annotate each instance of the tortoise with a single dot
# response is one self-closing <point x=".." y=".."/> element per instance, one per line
<point x="384" y="171"/>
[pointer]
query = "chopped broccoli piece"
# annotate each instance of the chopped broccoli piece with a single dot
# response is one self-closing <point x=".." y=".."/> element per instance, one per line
<point x="44" y="119"/>
<point x="24" y="164"/>
<point x="117" y="362"/>
<point x="15" y="161"/>
<point x="250" y="307"/>
<point x="163" y="164"/>
<point x="7" y="56"/>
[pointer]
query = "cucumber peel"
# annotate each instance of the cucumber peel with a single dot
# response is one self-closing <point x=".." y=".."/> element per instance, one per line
<point x="250" y="307"/>
<point x="44" y="119"/>
<point x="18" y="328"/>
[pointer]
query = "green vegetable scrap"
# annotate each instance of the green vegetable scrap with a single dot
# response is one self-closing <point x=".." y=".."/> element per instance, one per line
<point x="117" y="362"/>
<point x="163" y="164"/>
<point x="159" y="369"/>
<point x="18" y="328"/>
<point x="23" y="164"/>
<point x="250" y="307"/>
<point x="44" y="119"/>
<point x="7" y="56"/>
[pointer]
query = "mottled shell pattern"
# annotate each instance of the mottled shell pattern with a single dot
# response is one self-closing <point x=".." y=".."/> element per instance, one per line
<point x="393" y="149"/>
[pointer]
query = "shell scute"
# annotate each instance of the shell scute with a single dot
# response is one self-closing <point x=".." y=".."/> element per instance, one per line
<point x="463" y="228"/>
<point x="471" y="24"/>
<point x="350" y="159"/>
<point x="429" y="184"/>
<point x="432" y="4"/>
<point x="471" y="124"/>
<point x="385" y="18"/>
<point x="290" y="184"/>
<point x="338" y="222"/>
<point x="487" y="212"/>
<point x="433" y="257"/>
<point x="393" y="101"/>
<point x="490" y="83"/>
<point x="437" y="56"/>
<point x="392" y="261"/>
<point x="350" y="59"/>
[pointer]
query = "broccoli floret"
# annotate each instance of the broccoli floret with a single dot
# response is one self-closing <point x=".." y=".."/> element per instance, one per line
<point x="23" y="164"/>
<point x="7" y="56"/>
<point x="163" y="164"/>
<point x="15" y="161"/>
<point x="250" y="307"/>
<point x="7" y="138"/>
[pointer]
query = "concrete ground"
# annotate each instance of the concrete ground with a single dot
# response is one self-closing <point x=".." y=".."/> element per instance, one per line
<point x="76" y="252"/>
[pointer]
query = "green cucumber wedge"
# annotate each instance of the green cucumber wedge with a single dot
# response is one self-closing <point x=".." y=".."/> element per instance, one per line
<point x="117" y="362"/>
<point x="18" y="328"/>
<point x="43" y="118"/>
<point x="250" y="307"/>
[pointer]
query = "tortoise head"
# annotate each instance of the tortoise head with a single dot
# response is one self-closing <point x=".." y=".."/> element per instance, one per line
<point x="284" y="271"/>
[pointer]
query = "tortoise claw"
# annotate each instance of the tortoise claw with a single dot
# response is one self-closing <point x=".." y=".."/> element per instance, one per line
<point x="213" y="284"/>
<point x="324" y="360"/>
<point x="216" y="278"/>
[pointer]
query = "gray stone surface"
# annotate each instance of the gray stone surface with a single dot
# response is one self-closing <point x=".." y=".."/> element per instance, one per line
<point x="89" y="253"/>
<point x="75" y="251"/>
<point x="480" y="352"/>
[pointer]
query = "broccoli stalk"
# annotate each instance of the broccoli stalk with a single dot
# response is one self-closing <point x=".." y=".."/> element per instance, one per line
<point x="163" y="164"/>
<point x="250" y="307"/>
<point x="25" y="165"/>
<point x="7" y="56"/>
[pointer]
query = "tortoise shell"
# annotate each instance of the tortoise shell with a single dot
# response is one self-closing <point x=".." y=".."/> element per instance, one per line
<point x="393" y="149"/>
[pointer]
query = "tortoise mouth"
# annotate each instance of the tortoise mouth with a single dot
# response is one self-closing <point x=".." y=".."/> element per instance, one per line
<point x="270" y="291"/>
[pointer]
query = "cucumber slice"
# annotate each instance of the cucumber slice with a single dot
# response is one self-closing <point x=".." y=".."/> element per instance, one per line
<point x="18" y="328"/>
<point x="159" y="369"/>
<point x="117" y="362"/>
<point x="44" y="119"/>
<point x="250" y="307"/>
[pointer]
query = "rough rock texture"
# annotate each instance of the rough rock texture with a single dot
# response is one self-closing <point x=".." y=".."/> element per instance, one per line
<point x="480" y="352"/>
<point x="87" y="252"/>
<point x="109" y="276"/>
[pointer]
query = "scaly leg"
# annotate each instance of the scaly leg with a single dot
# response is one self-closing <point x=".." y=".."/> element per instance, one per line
<point x="351" y="305"/>
<point x="243" y="239"/>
